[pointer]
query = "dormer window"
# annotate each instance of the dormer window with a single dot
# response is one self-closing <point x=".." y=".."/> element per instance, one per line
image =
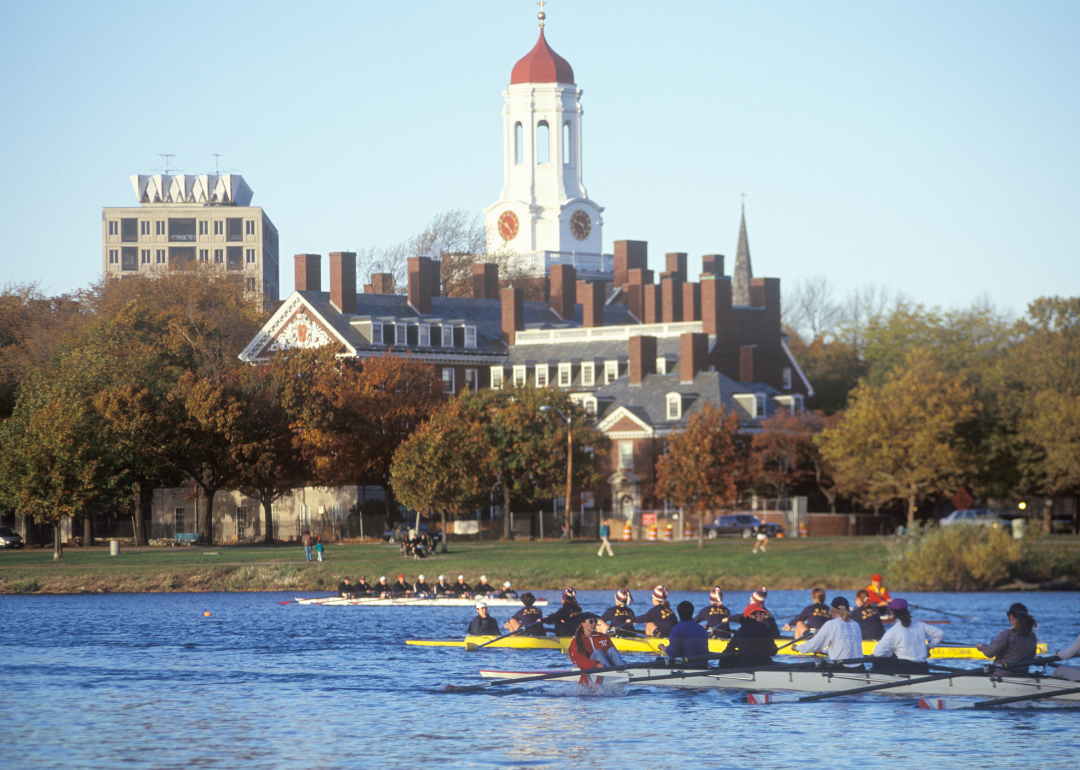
<point x="448" y="336"/>
<point x="424" y="336"/>
<point x="590" y="406"/>
<point x="470" y="336"/>
<point x="759" y="405"/>
<point x="401" y="334"/>
<point x="496" y="378"/>
<point x="542" y="376"/>
<point x="674" y="406"/>
<point x="519" y="376"/>
<point x="661" y="365"/>
<point x="564" y="375"/>
<point x="588" y="374"/>
<point x="376" y="334"/>
<point x="611" y="372"/>
<point x="786" y="375"/>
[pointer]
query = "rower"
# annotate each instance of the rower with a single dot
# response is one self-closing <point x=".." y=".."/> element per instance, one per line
<point x="904" y="648"/>
<point x="528" y="616"/>
<point x="483" y="624"/>
<point x="383" y="589"/>
<point x="813" y="616"/>
<point x="420" y="587"/>
<point x="507" y="591"/>
<point x="362" y="587"/>
<point x="620" y="618"/>
<point x="591" y="649"/>
<point x="345" y="588"/>
<point x="758" y="599"/>
<point x="567" y="617"/>
<point x="443" y="590"/>
<point x="462" y="589"/>
<point x="867" y="616"/>
<point x="1071" y="673"/>
<point x="840" y="637"/>
<point x="716" y="616"/>
<point x="879" y="594"/>
<point x="1014" y="644"/>
<point x="687" y="639"/>
<point x="753" y="644"/>
<point x="401" y="588"/>
<point x="484" y="588"/>
<point x="660" y="619"/>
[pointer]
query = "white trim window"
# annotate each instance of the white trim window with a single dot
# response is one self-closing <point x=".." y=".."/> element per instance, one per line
<point x="241" y="522"/>
<point x="611" y="372"/>
<point x="520" y="376"/>
<point x="541" y="375"/>
<point x="470" y="336"/>
<point x="588" y="374"/>
<point x="401" y="334"/>
<point x="448" y="336"/>
<point x="674" y="406"/>
<point x="626" y="454"/>
<point x="496" y="378"/>
<point x="590" y="406"/>
<point x="376" y="334"/>
<point x="424" y="336"/>
<point x="565" y="375"/>
<point x="759" y="405"/>
<point x="448" y="380"/>
<point x="472" y="380"/>
<point x="661" y="365"/>
<point x="786" y="376"/>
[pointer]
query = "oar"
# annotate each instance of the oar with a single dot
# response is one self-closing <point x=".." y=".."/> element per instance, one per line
<point x="470" y="647"/>
<point x="943" y="612"/>
<point x="721" y="672"/>
<point x="796" y="640"/>
<point x="922" y="680"/>
<point x="541" y="677"/>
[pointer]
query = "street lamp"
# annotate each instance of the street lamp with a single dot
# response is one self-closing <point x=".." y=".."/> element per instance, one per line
<point x="569" y="465"/>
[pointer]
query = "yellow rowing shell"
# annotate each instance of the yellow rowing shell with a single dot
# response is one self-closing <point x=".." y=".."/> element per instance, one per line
<point x="652" y="645"/>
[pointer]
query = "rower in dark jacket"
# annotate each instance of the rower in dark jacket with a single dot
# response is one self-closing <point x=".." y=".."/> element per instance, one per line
<point x="401" y="588"/>
<point x="383" y="589"/>
<point x="362" y="587"/>
<point x="507" y="591"/>
<point x="462" y="589"/>
<point x="753" y="643"/>
<point x="483" y="588"/>
<point x="565" y="619"/>
<point x="444" y="590"/>
<point x="660" y="619"/>
<point x="345" y="589"/>
<point x="868" y="617"/>
<point x="619" y="620"/>
<point x="813" y="616"/>
<point x="420" y="587"/>
<point x="758" y="598"/>
<point x="528" y="616"/>
<point x="716" y="615"/>
<point x="483" y="624"/>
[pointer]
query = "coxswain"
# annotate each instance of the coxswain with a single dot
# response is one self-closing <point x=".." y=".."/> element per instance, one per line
<point x="345" y="589"/>
<point x="483" y="624"/>
<point x="620" y="618"/>
<point x="660" y="619"/>
<point x="1014" y="644"/>
<point x="716" y="616"/>
<point x="591" y="649"/>
<point x="420" y="587"/>
<point x="444" y="590"/>
<point x="401" y="588"/>
<point x="529" y="617"/>
<point x="566" y="618"/>
<point x="462" y="589"/>
<point x="383" y="589"/>
<point x="687" y="638"/>
<point x="867" y="616"/>
<point x="484" y="588"/>
<point x="507" y="591"/>
<point x="813" y="616"/>
<point x="879" y="594"/>
<point x="362" y="587"/>
<point x="753" y="643"/>
<point x="758" y="598"/>
<point x="840" y="637"/>
<point x="907" y="644"/>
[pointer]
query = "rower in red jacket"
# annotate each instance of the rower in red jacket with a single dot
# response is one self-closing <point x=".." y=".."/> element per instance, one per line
<point x="592" y="650"/>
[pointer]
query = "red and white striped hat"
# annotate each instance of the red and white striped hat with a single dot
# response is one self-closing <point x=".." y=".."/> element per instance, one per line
<point x="569" y="595"/>
<point x="622" y="596"/>
<point x="716" y="596"/>
<point x="759" y="596"/>
<point x="660" y="593"/>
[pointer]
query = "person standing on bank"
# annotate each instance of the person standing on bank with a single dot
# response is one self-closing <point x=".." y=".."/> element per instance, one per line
<point x="307" y="542"/>
<point x="605" y="533"/>
<point x="761" y="539"/>
<point x="483" y="624"/>
<point x="319" y="547"/>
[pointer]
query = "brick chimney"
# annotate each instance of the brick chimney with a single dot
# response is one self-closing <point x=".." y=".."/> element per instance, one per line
<point x="716" y="305"/>
<point x="642" y="358"/>
<point x="653" y="304"/>
<point x="381" y="283"/>
<point x="513" y="313"/>
<point x="592" y="303"/>
<point x="629" y="255"/>
<point x="343" y="281"/>
<point x="420" y="284"/>
<point x="671" y="299"/>
<point x="675" y="262"/>
<point x="713" y="264"/>
<point x="435" y="278"/>
<point x="563" y="280"/>
<point x="308" y="272"/>
<point x="765" y="293"/>
<point x="746" y="363"/>
<point x="691" y="301"/>
<point x="634" y="290"/>
<point x="485" y="281"/>
<point x="693" y="348"/>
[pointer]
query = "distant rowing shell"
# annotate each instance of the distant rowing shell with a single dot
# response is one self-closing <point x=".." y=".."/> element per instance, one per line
<point x="651" y="645"/>
<point x="337" y="601"/>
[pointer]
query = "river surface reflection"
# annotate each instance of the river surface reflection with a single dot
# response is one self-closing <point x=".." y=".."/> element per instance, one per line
<point x="151" y="681"/>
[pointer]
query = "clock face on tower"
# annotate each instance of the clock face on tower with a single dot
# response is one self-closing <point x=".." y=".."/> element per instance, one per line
<point x="508" y="225"/>
<point x="580" y="225"/>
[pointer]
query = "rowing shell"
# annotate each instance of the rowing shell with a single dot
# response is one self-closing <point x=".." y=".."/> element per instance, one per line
<point x="337" y="601"/>
<point x="830" y="681"/>
<point x="652" y="645"/>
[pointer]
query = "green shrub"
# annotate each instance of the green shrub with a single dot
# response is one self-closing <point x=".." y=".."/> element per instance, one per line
<point x="956" y="558"/>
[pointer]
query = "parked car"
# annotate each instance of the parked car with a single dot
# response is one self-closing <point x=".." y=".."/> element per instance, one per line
<point x="978" y="516"/>
<point x="400" y="532"/>
<point x="734" y="524"/>
<point x="9" y="538"/>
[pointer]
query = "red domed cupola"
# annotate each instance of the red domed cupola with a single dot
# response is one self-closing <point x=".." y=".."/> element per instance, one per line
<point x="542" y="65"/>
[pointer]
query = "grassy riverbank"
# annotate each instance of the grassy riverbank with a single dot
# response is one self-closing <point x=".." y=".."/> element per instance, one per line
<point x="833" y="563"/>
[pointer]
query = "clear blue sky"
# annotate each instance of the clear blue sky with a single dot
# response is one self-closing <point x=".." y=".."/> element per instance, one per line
<point x="931" y="148"/>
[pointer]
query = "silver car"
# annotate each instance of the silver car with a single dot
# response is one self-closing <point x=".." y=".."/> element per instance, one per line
<point x="978" y="516"/>
<point x="9" y="538"/>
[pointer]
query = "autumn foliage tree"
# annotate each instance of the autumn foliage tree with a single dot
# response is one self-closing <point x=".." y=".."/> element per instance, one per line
<point x="703" y="464"/>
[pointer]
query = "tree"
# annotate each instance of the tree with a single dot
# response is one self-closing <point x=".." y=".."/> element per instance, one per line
<point x="898" y="440"/>
<point x="833" y="368"/>
<point x="810" y="308"/>
<point x="703" y="464"/>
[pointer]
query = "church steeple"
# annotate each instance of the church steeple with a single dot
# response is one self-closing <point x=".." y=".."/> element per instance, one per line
<point x="740" y="278"/>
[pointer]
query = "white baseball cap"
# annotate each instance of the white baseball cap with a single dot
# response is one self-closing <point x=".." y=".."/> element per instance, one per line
<point x="442" y="577"/>
<point x="483" y="578"/>
<point x="481" y="605"/>
<point x="506" y="584"/>
<point x="421" y="577"/>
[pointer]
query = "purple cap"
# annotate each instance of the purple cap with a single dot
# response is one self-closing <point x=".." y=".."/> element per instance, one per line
<point x="898" y="604"/>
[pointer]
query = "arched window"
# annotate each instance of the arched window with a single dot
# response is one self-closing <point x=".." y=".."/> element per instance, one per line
<point x="518" y="136"/>
<point x="566" y="143"/>
<point x="543" y="143"/>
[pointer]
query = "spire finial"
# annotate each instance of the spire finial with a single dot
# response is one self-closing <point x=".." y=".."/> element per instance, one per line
<point x="743" y="202"/>
<point x="541" y="15"/>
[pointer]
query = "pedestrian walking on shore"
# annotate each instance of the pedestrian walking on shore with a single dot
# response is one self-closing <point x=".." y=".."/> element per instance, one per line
<point x="318" y="547"/>
<point x="605" y="533"/>
<point x="762" y="538"/>
<point x="306" y="541"/>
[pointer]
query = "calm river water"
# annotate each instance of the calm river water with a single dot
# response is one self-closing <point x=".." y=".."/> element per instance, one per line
<point x="150" y="681"/>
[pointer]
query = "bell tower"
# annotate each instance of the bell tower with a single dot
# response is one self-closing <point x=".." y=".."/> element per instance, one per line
<point x="543" y="213"/>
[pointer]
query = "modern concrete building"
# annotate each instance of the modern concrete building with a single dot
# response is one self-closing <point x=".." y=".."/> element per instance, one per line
<point x="184" y="218"/>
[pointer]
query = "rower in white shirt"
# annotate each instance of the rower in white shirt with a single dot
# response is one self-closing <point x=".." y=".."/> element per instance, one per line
<point x="840" y="637"/>
<point x="1069" y="672"/>
<point x="906" y="646"/>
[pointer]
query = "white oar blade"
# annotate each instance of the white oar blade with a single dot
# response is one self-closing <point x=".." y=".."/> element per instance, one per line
<point x="942" y="704"/>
